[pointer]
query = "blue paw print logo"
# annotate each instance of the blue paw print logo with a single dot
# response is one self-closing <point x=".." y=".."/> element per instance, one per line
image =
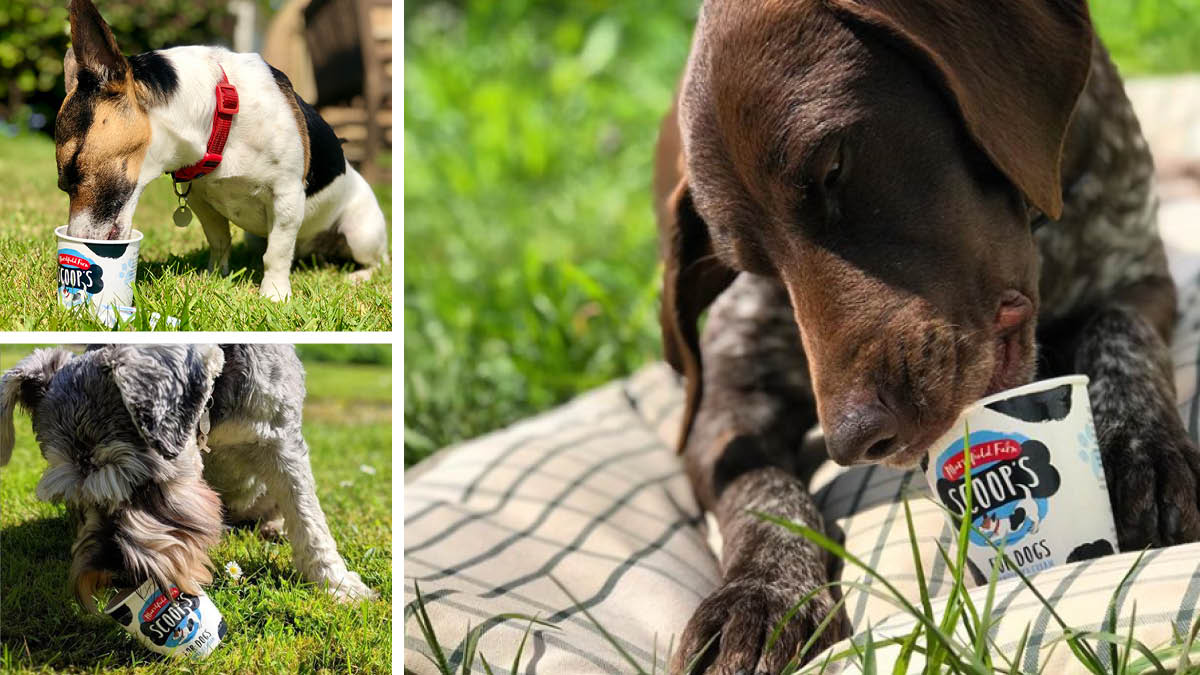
<point x="1089" y="451"/>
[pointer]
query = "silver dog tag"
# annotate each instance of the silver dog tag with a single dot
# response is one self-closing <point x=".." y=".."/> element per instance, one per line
<point x="202" y="432"/>
<point x="183" y="216"/>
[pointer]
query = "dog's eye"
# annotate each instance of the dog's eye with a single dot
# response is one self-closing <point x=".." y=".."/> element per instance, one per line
<point x="834" y="174"/>
<point x="1037" y="219"/>
<point x="831" y="183"/>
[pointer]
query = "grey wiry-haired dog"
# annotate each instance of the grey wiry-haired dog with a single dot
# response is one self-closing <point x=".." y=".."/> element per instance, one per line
<point x="148" y="445"/>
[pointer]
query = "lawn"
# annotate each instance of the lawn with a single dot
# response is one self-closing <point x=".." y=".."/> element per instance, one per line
<point x="530" y="259"/>
<point x="277" y="623"/>
<point x="172" y="276"/>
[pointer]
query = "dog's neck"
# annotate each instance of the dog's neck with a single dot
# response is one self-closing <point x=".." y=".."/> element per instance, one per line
<point x="181" y="123"/>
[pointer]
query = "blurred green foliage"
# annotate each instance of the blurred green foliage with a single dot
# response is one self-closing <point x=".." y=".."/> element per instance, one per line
<point x="531" y="271"/>
<point x="35" y="34"/>
<point x="368" y="354"/>
<point x="529" y="246"/>
<point x="1150" y="36"/>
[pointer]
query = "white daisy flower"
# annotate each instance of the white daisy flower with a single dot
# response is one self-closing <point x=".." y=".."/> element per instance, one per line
<point x="367" y="469"/>
<point x="346" y="483"/>
<point x="234" y="570"/>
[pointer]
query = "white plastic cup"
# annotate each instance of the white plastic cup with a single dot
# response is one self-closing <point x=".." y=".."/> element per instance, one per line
<point x="179" y="625"/>
<point x="1038" y="487"/>
<point x="99" y="273"/>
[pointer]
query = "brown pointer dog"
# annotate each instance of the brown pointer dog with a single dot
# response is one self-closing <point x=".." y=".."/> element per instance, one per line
<point x="876" y="174"/>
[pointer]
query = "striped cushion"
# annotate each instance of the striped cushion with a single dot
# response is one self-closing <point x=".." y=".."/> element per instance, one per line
<point x="591" y="495"/>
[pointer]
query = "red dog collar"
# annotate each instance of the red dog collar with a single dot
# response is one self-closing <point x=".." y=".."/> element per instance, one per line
<point x="227" y="107"/>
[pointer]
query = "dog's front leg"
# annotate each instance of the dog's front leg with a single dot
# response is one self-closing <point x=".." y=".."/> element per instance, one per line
<point x="286" y="219"/>
<point x="1150" y="463"/>
<point x="290" y="483"/>
<point x="216" y="231"/>
<point x="743" y="456"/>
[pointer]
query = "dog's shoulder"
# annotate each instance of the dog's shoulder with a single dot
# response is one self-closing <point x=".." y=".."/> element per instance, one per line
<point x="259" y="381"/>
<point x="324" y="159"/>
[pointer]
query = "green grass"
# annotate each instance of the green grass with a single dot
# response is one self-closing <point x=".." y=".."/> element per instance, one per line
<point x="277" y="622"/>
<point x="172" y="276"/>
<point x="531" y="270"/>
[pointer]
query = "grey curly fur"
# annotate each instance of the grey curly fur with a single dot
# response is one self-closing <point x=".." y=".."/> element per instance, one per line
<point x="118" y="428"/>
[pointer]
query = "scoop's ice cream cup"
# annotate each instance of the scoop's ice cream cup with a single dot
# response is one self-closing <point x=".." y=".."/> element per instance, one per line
<point x="179" y="625"/>
<point x="99" y="273"/>
<point x="1037" y="483"/>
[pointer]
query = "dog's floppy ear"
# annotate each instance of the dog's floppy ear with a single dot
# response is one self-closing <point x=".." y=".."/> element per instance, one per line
<point x="165" y="388"/>
<point x="1015" y="69"/>
<point x="25" y="385"/>
<point x="94" y="44"/>
<point x="692" y="275"/>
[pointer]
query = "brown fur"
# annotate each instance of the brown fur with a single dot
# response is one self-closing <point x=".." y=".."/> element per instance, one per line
<point x="760" y="120"/>
<point x="163" y="534"/>
<point x="102" y="132"/>
<point x="289" y="94"/>
<point x="853" y="185"/>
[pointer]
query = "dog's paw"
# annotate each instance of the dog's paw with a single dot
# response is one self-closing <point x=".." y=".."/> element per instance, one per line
<point x="351" y="588"/>
<point x="743" y="614"/>
<point x="271" y="530"/>
<point x="218" y="263"/>
<point x="359" y="276"/>
<point x="276" y="290"/>
<point x="1153" y="475"/>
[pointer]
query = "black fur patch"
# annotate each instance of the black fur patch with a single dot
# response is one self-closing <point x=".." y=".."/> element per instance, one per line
<point x="153" y="71"/>
<point x="326" y="160"/>
<point x="112" y="191"/>
<point x="69" y="176"/>
<point x="281" y="78"/>
<point x="75" y="116"/>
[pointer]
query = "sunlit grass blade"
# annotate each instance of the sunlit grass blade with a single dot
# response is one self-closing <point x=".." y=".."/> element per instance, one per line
<point x="1020" y="652"/>
<point x="1185" y="656"/>
<point x="919" y="568"/>
<point x="426" y="626"/>
<point x="1128" y="642"/>
<point x="695" y="658"/>
<point x="1082" y="650"/>
<point x="835" y="548"/>
<point x="1110" y="612"/>
<point x="521" y="647"/>
<point x="869" y="657"/>
<point x="469" y="644"/>
<point x="1113" y="638"/>
<point x="791" y="613"/>
<point x="603" y="631"/>
<point x="1048" y="658"/>
<point x="654" y="656"/>
<point x="796" y="660"/>
<point x="906" y="650"/>
<point x="985" y="620"/>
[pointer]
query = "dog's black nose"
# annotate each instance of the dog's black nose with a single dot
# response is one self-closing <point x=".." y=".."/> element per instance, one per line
<point x="862" y="432"/>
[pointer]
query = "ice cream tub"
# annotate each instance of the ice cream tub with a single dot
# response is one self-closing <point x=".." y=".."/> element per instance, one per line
<point x="99" y="273"/>
<point x="174" y="624"/>
<point x="1037" y="482"/>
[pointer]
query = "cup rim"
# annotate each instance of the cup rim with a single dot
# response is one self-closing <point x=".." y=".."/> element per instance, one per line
<point x="1032" y="387"/>
<point x="61" y="233"/>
